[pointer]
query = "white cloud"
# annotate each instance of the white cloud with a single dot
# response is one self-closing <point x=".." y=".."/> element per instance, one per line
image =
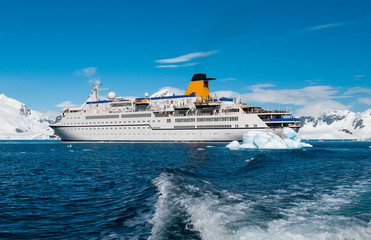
<point x="291" y="96"/>
<point x="227" y="79"/>
<point x="313" y="100"/>
<point x="66" y="104"/>
<point x="167" y="66"/>
<point x="320" y="107"/>
<point x="365" y="100"/>
<point x="187" y="57"/>
<point x="313" y="81"/>
<point x="319" y="27"/>
<point x="358" y="90"/>
<point x="176" y="66"/>
<point x="87" y="72"/>
<point x="227" y="94"/>
<point x="261" y="85"/>
<point x="360" y="76"/>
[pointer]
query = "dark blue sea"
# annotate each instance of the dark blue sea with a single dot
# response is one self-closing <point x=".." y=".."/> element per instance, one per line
<point x="49" y="190"/>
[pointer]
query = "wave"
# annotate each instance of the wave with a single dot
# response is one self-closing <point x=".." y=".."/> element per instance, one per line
<point x="206" y="212"/>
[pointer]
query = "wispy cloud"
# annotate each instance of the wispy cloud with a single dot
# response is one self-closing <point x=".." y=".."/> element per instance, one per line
<point x="354" y="90"/>
<point x="313" y="81"/>
<point x="365" y="100"/>
<point x="177" y="66"/>
<point x="359" y="77"/>
<point x="320" y="107"/>
<point x="261" y="85"/>
<point x="319" y="27"/>
<point x="188" y="57"/>
<point x="66" y="104"/>
<point x="227" y="79"/>
<point x="87" y="72"/>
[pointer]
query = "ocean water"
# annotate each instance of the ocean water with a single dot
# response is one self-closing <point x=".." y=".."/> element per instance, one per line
<point x="49" y="190"/>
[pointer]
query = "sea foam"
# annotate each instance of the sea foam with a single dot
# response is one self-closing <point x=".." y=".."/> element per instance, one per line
<point x="269" y="140"/>
<point x="220" y="214"/>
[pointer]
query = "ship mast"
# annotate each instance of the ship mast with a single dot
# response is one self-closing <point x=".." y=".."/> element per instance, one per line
<point x="95" y="89"/>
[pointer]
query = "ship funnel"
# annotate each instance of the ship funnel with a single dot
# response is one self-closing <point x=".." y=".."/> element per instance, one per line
<point x="199" y="86"/>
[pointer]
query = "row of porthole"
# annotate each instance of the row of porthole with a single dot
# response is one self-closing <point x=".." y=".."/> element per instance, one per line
<point x="116" y="128"/>
<point x="83" y="123"/>
<point x="146" y="134"/>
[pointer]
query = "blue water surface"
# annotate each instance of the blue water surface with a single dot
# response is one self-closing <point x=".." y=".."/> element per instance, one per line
<point x="54" y="190"/>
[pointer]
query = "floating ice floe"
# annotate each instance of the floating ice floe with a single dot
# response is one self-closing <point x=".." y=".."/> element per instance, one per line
<point x="269" y="140"/>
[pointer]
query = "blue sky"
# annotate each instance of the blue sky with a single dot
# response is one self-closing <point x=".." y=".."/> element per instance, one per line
<point x="308" y="55"/>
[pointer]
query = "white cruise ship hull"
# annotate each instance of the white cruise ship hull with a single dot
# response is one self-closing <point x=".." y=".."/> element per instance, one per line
<point x="143" y="134"/>
<point x="170" y="129"/>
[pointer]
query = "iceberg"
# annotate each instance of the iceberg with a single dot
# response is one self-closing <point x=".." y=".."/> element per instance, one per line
<point x="269" y="140"/>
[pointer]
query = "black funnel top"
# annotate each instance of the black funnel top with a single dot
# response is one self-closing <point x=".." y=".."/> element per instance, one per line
<point x="200" y="77"/>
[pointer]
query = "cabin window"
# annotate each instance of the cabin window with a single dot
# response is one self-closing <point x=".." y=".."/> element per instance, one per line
<point x="247" y="125"/>
<point x="255" y="125"/>
<point x="169" y="120"/>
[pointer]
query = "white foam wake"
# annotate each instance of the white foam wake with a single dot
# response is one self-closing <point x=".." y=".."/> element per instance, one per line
<point x="224" y="215"/>
<point x="269" y="140"/>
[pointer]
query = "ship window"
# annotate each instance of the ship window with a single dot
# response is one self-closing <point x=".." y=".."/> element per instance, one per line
<point x="168" y="120"/>
<point x="148" y="121"/>
<point x="129" y="121"/>
<point x="158" y="120"/>
<point x="133" y="127"/>
<point x="255" y="125"/>
<point x="247" y="125"/>
<point x="236" y="126"/>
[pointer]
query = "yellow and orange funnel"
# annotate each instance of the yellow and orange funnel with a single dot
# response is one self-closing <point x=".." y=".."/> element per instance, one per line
<point x="199" y="86"/>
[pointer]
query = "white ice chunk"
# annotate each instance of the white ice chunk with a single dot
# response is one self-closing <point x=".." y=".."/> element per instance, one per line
<point x="269" y="140"/>
<point x="233" y="145"/>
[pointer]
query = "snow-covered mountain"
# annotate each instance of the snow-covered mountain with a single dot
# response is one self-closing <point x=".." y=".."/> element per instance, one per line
<point x="337" y="124"/>
<point x="167" y="91"/>
<point x="17" y="121"/>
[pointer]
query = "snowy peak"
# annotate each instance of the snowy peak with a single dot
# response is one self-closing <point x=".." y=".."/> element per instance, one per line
<point x="20" y="122"/>
<point x="167" y="91"/>
<point x="337" y="124"/>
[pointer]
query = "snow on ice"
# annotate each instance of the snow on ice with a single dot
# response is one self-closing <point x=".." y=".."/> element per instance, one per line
<point x="269" y="140"/>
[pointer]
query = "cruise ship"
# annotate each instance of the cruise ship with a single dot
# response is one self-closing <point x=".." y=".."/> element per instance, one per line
<point x="195" y="116"/>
